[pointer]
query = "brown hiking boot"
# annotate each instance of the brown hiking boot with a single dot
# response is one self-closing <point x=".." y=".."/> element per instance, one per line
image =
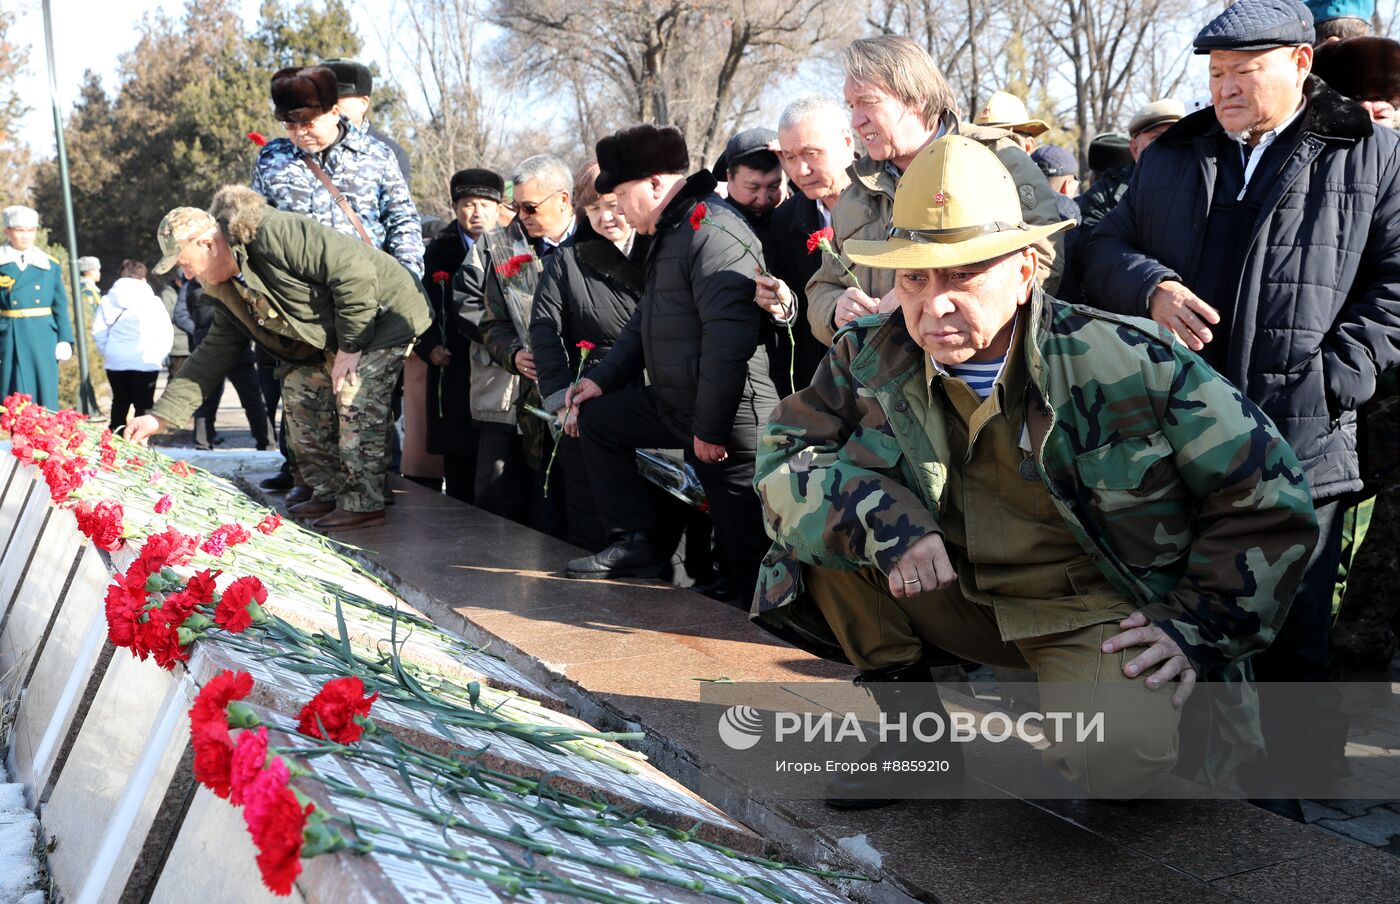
<point x="312" y="508"/>
<point x="343" y="520"/>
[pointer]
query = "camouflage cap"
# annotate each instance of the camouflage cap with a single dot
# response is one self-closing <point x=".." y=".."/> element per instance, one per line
<point x="178" y="227"/>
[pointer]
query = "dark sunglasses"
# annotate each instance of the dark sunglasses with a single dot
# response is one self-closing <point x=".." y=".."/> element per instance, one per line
<point x="530" y="209"/>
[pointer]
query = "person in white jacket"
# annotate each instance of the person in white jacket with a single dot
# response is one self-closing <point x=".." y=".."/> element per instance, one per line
<point x="132" y="330"/>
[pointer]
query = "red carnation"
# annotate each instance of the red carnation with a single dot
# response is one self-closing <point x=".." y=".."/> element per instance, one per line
<point x="213" y="746"/>
<point x="698" y="215"/>
<point x="585" y="345"/>
<point x="820" y="239"/>
<point x="201" y="586"/>
<point x="337" y="708"/>
<point x="269" y="524"/>
<point x="277" y="822"/>
<point x="101" y="523"/>
<point x="164" y="503"/>
<point x="169" y="547"/>
<point x="124" y="605"/>
<point x="441" y="276"/>
<point x="258" y="138"/>
<point x="249" y="758"/>
<point x="240" y="605"/>
<point x="109" y="458"/>
<point x="181" y="469"/>
<point x="511" y="268"/>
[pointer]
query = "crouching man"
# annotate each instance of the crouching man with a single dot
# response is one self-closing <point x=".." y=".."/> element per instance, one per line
<point x="1023" y="483"/>
<point x="338" y="314"/>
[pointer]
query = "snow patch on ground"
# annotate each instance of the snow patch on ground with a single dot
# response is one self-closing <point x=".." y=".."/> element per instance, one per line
<point x="20" y="870"/>
<point x="859" y="848"/>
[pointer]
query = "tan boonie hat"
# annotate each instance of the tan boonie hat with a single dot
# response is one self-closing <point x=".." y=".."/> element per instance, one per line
<point x="1007" y="111"/>
<point x="178" y="227"/>
<point x="955" y="205"/>
<point x="1154" y="114"/>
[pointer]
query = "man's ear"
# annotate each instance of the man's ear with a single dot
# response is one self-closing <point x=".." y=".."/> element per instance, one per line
<point x="1030" y="264"/>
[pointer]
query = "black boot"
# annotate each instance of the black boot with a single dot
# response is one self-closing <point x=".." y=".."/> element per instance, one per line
<point x="906" y="691"/>
<point x="631" y="555"/>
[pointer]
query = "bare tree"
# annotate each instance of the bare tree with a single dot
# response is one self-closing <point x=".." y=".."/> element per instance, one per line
<point x="699" y="65"/>
<point x="452" y="125"/>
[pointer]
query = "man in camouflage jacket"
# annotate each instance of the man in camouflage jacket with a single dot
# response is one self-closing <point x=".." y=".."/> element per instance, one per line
<point x="1110" y="504"/>
<point x="363" y="169"/>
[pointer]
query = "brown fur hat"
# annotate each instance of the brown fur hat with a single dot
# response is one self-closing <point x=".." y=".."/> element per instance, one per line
<point x="300" y="94"/>
<point x="1364" y="68"/>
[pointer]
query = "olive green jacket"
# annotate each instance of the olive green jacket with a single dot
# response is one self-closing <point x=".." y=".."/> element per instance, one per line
<point x="308" y="292"/>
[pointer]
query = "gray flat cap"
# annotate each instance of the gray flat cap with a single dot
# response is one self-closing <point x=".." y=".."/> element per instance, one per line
<point x="88" y="264"/>
<point x="749" y="147"/>
<point x="1258" y="25"/>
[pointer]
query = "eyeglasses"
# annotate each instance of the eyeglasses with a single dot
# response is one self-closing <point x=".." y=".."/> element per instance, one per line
<point x="531" y="208"/>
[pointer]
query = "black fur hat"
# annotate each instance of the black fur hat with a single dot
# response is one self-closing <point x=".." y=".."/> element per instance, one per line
<point x="300" y="94"/>
<point x="1364" y="68"/>
<point x="638" y="153"/>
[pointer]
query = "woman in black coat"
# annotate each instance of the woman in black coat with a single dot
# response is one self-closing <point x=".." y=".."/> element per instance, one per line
<point x="586" y="293"/>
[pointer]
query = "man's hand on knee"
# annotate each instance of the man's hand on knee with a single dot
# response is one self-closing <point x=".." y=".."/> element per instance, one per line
<point x="924" y="567"/>
<point x="1161" y="648"/>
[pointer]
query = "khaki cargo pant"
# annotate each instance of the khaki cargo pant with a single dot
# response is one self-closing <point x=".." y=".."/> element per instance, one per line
<point x="1074" y="674"/>
<point x="341" y="441"/>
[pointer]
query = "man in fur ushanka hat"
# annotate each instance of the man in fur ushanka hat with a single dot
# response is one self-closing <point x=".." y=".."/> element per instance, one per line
<point x="1367" y="70"/>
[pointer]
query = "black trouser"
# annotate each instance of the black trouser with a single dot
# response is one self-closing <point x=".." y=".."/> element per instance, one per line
<point x="245" y="383"/>
<point x="131" y="389"/>
<point x="503" y="479"/>
<point x="570" y="479"/>
<point x="1299" y="653"/>
<point x="271" y="389"/>
<point x="614" y="426"/>
<point x="459" y="476"/>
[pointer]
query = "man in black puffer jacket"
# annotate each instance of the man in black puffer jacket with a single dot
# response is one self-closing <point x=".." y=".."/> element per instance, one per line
<point x="1265" y="233"/>
<point x="699" y="336"/>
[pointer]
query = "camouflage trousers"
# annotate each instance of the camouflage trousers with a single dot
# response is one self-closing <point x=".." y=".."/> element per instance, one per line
<point x="341" y="439"/>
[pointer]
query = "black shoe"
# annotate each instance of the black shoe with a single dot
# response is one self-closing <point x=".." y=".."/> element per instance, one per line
<point x="298" y="494"/>
<point x="278" y="483"/>
<point x="631" y="555"/>
<point x="907" y="691"/>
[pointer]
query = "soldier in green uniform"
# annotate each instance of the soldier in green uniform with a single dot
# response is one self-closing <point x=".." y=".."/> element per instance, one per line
<point x="337" y="313"/>
<point x="35" y="331"/>
<point x="1023" y="483"/>
<point x="90" y="273"/>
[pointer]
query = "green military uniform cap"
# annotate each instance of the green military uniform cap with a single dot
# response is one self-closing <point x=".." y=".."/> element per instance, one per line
<point x="180" y="226"/>
<point x="956" y="204"/>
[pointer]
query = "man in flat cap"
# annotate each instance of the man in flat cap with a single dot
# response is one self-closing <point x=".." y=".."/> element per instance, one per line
<point x="339" y="315"/>
<point x="35" y="330"/>
<point x="333" y="172"/>
<point x="697" y="334"/>
<point x="1264" y="232"/>
<point x="1024" y="483"/>
<point x="354" y="83"/>
<point x="1005" y="110"/>
<point x="464" y="385"/>
<point x="750" y="168"/>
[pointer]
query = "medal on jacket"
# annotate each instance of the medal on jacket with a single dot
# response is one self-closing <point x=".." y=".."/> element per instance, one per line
<point x="1028" y="469"/>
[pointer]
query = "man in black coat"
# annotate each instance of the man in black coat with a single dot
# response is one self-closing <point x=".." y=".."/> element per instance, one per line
<point x="476" y="199"/>
<point x="816" y="150"/>
<point x="698" y="334"/>
<point x="1264" y="232"/>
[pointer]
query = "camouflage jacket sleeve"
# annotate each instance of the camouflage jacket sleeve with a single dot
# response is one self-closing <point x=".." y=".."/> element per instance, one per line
<point x="403" y="230"/>
<point x="1254" y="521"/>
<point x="829" y="473"/>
